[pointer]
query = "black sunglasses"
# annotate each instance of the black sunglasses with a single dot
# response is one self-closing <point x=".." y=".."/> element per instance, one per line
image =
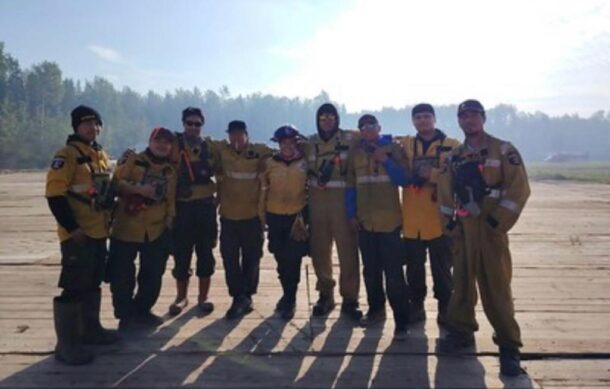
<point x="193" y="124"/>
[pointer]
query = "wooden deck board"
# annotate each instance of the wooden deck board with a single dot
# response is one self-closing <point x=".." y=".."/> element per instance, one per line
<point x="561" y="280"/>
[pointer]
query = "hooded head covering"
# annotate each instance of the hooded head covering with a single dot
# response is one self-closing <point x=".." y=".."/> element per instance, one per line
<point x="327" y="108"/>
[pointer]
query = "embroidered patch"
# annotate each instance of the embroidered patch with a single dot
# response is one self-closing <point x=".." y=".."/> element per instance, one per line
<point x="514" y="158"/>
<point x="58" y="163"/>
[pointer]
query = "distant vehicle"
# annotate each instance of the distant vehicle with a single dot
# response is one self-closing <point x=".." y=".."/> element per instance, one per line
<point x="567" y="157"/>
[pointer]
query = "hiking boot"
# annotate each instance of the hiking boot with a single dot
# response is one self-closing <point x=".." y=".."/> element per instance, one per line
<point x="350" y="309"/>
<point x="373" y="317"/>
<point x="510" y="362"/>
<point x="455" y="341"/>
<point x="400" y="333"/>
<point x="148" y="319"/>
<point x="241" y="306"/>
<point x="288" y="312"/>
<point x="324" y="305"/>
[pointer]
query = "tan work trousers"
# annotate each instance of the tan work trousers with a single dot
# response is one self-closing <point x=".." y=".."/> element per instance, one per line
<point x="481" y="255"/>
<point x="329" y="224"/>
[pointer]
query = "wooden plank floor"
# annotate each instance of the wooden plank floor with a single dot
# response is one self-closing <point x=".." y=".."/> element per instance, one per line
<point x="561" y="261"/>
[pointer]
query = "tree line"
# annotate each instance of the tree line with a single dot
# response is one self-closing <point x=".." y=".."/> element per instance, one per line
<point x="35" y="105"/>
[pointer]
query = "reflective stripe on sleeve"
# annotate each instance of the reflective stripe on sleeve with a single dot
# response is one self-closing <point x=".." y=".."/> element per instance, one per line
<point x="510" y="205"/>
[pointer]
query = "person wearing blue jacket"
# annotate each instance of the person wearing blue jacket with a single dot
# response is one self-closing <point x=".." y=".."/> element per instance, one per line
<point x="376" y="169"/>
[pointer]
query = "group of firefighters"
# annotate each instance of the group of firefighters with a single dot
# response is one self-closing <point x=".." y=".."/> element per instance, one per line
<point x="459" y="200"/>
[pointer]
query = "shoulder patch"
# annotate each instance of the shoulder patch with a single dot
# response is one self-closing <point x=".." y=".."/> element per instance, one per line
<point x="504" y="147"/>
<point x="58" y="162"/>
<point x="514" y="158"/>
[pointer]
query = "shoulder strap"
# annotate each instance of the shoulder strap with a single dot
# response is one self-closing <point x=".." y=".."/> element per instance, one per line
<point x="83" y="158"/>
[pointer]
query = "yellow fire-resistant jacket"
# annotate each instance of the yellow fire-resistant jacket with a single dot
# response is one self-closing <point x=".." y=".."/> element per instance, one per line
<point x="71" y="171"/>
<point x="194" y="156"/>
<point x="377" y="198"/>
<point x="284" y="186"/>
<point x="334" y="150"/>
<point x="152" y="219"/>
<point x="504" y="173"/>
<point x="239" y="185"/>
<point x="420" y="214"/>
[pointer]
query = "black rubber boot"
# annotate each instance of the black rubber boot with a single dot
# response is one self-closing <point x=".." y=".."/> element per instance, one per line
<point x="324" y="305"/>
<point x="68" y="320"/>
<point x="93" y="332"/>
<point x="510" y="362"/>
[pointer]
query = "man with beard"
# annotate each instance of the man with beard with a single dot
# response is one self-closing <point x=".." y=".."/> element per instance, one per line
<point x="483" y="188"/>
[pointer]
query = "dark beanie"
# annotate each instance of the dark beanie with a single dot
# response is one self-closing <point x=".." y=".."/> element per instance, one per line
<point x="192" y="111"/>
<point x="82" y="113"/>
<point x="423" y="107"/>
<point x="237" y="125"/>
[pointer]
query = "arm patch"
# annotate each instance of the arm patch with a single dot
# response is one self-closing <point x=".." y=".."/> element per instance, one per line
<point x="58" y="162"/>
<point x="514" y="158"/>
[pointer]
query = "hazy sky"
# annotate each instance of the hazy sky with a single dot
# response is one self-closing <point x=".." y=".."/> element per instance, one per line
<point x="552" y="56"/>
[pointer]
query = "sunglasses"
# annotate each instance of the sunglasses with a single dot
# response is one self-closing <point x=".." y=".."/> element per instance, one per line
<point x="327" y="117"/>
<point x="369" y="126"/>
<point x="193" y="124"/>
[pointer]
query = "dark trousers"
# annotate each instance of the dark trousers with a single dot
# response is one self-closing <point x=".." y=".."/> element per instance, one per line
<point x="195" y="227"/>
<point x="122" y="274"/>
<point x="382" y="255"/>
<point x="82" y="267"/>
<point x="241" y="247"/>
<point x="288" y="253"/>
<point x="439" y="251"/>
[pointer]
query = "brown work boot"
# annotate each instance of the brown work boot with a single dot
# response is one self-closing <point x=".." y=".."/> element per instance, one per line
<point x="202" y="301"/>
<point x="181" y="298"/>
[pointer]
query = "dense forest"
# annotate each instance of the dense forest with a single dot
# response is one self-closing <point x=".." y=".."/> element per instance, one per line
<point x="35" y="104"/>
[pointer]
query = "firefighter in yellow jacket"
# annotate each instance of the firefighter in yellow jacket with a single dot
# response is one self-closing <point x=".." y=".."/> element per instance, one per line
<point x="80" y="197"/>
<point x="283" y="206"/>
<point x="241" y="231"/>
<point x="327" y="153"/>
<point x="195" y="225"/>
<point x="421" y="224"/>
<point x="376" y="168"/>
<point x="146" y="183"/>
<point x="482" y="191"/>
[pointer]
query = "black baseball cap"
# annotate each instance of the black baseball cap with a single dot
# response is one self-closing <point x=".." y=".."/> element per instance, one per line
<point x="367" y="119"/>
<point x="237" y="125"/>
<point x="471" y="105"/>
<point x="422" y="107"/>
